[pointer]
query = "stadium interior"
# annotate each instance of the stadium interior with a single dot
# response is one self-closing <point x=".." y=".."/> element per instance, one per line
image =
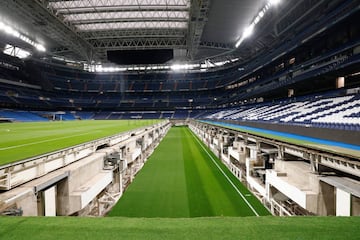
<point x="271" y="88"/>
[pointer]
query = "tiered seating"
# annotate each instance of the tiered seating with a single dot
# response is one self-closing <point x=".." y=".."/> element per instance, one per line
<point x="115" y="116"/>
<point x="181" y="114"/>
<point x="68" y="116"/>
<point x="21" y="116"/>
<point x="102" y="115"/>
<point x="167" y="115"/>
<point x="85" y="115"/>
<point x="332" y="112"/>
<point x="151" y="115"/>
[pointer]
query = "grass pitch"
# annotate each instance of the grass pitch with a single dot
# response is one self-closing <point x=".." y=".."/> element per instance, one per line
<point x="23" y="140"/>
<point x="183" y="179"/>
<point x="279" y="228"/>
<point x="267" y="227"/>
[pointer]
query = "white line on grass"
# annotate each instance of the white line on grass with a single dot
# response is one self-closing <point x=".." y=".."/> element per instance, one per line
<point x="33" y="143"/>
<point x="229" y="180"/>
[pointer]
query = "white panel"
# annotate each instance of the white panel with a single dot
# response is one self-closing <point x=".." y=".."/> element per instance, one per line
<point x="84" y="153"/>
<point x="50" y="201"/>
<point x="225" y="158"/>
<point x="287" y="189"/>
<point x="253" y="153"/>
<point x="343" y="203"/>
<point x="69" y="158"/>
<point x="135" y="154"/>
<point x="86" y="197"/>
<point x="254" y="184"/>
<point x="24" y="176"/>
<point x="234" y="153"/>
<point x="54" y="164"/>
<point x="294" y="152"/>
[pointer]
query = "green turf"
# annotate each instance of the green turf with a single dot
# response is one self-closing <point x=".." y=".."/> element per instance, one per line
<point x="181" y="180"/>
<point x="258" y="228"/>
<point x="23" y="140"/>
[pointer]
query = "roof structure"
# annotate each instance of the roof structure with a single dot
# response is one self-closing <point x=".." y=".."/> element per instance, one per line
<point x="85" y="30"/>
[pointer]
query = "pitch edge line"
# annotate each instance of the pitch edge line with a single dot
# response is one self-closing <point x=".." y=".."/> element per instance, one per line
<point x="229" y="180"/>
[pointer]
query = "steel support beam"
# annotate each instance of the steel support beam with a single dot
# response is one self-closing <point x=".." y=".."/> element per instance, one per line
<point x="49" y="25"/>
<point x="138" y="44"/>
<point x="198" y="18"/>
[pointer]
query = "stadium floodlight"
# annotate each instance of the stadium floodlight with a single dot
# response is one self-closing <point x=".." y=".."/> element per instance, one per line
<point x="250" y="29"/>
<point x="246" y="33"/>
<point x="177" y="67"/>
<point x="15" y="51"/>
<point x="13" y="32"/>
<point x="40" y="47"/>
<point x="9" y="30"/>
<point x="274" y="2"/>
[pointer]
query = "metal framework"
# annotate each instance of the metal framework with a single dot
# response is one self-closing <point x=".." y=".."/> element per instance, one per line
<point x="216" y="45"/>
<point x="127" y="24"/>
<point x="85" y="30"/>
<point x="132" y="44"/>
<point x="199" y="13"/>
<point x="35" y="12"/>
<point x="133" y="33"/>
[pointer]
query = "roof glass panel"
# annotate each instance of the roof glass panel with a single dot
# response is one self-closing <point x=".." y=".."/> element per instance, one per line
<point x="131" y="25"/>
<point x="91" y="4"/>
<point x="149" y="15"/>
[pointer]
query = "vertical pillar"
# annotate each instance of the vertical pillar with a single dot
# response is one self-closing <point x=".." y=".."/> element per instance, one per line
<point x="121" y="187"/>
<point x="343" y="203"/>
<point x="280" y="153"/>
<point x="132" y="172"/>
<point x="314" y="163"/>
<point x="247" y="164"/>
<point x="50" y="201"/>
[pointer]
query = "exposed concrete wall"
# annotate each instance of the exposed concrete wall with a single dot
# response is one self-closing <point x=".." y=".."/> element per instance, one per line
<point x="80" y="173"/>
<point x="326" y="200"/>
<point x="63" y="203"/>
<point x="85" y="178"/>
<point x="300" y="173"/>
<point x="29" y="205"/>
<point x="84" y="170"/>
<point x="301" y="177"/>
<point x="355" y="206"/>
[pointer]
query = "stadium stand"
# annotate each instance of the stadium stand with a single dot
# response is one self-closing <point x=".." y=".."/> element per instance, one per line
<point x="329" y="112"/>
<point x="21" y="116"/>
<point x="49" y="85"/>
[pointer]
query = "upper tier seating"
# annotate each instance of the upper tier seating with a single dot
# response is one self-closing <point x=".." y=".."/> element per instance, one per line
<point x="341" y="112"/>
